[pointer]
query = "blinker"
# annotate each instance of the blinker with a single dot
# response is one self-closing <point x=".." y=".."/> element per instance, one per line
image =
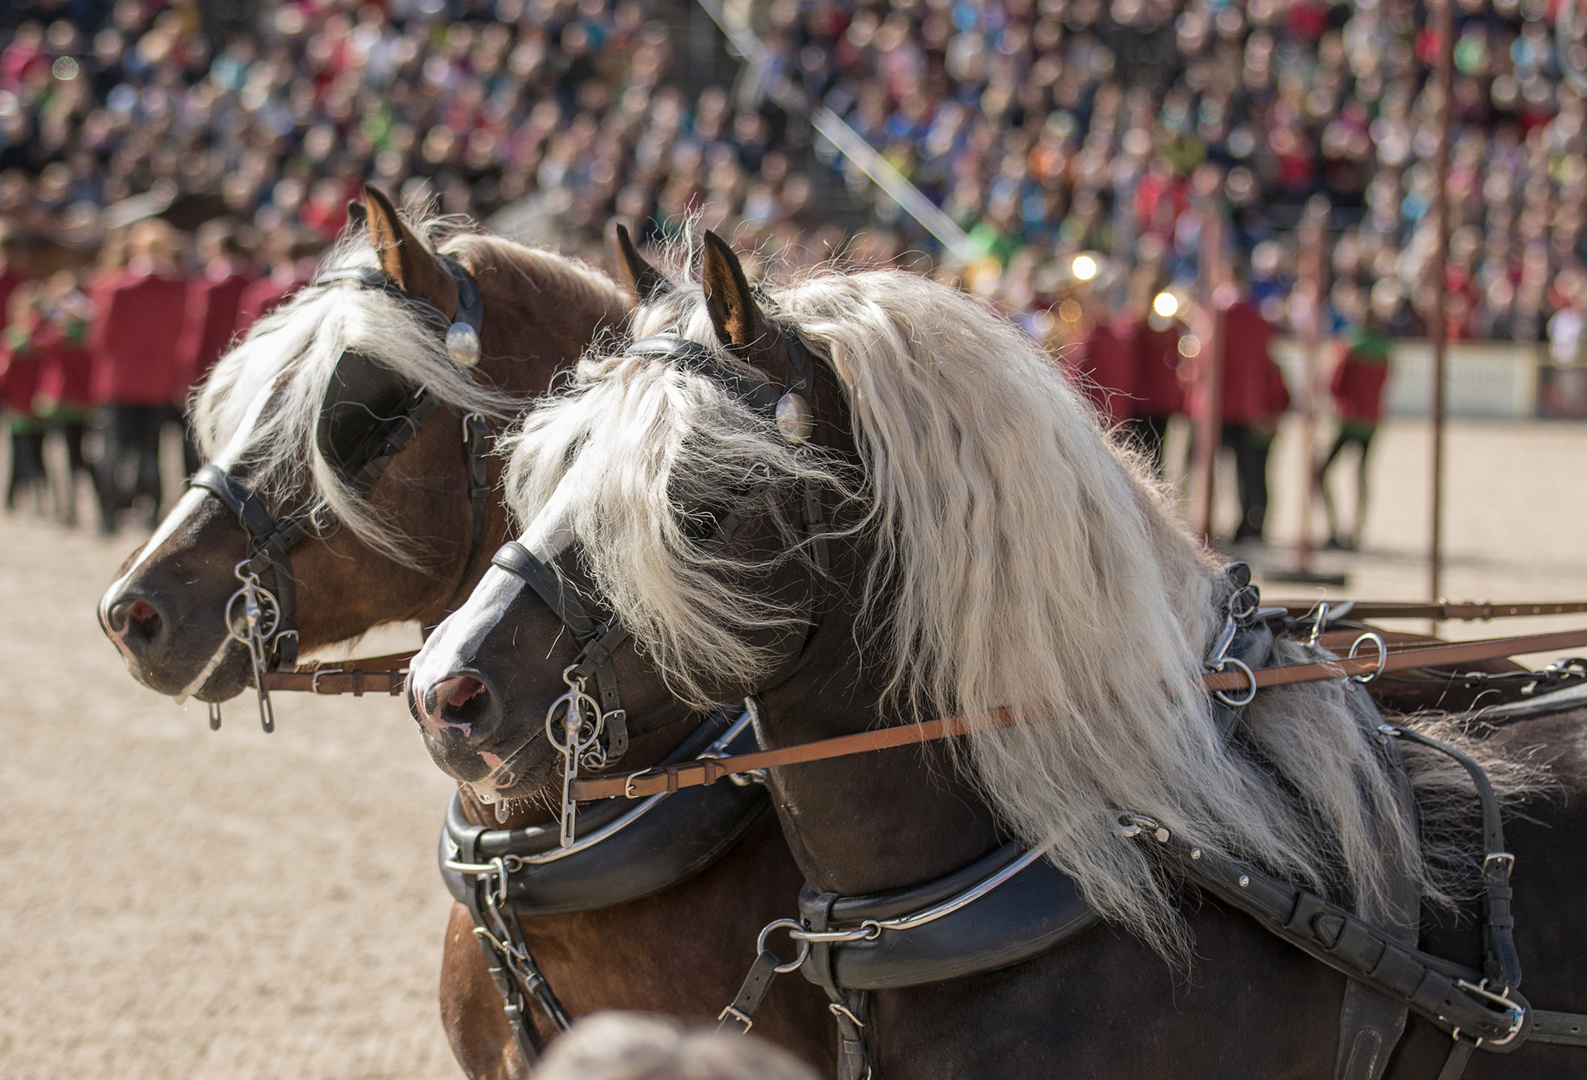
<point x="462" y="344"/>
<point x="794" y="417"/>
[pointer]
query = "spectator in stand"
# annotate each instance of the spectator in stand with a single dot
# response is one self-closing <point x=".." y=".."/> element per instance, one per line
<point x="1357" y="387"/>
<point x="214" y="301"/>
<point x="1254" y="397"/>
<point x="133" y="340"/>
<point x="63" y="398"/>
<point x="19" y="380"/>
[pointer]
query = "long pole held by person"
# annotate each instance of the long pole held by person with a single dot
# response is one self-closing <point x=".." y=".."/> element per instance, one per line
<point x="1444" y="30"/>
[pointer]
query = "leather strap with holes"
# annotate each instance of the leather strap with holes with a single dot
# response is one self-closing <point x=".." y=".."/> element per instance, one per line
<point x="710" y="770"/>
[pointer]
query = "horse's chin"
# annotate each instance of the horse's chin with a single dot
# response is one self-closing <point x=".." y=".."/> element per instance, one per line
<point x="516" y="779"/>
<point x="231" y="673"/>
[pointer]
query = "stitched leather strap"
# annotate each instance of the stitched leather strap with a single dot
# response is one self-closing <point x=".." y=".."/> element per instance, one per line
<point x="739" y="1016"/>
<point x="691" y="774"/>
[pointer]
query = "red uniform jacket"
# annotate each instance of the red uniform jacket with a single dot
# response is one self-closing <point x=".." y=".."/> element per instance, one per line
<point x="262" y="297"/>
<point x="213" y="305"/>
<point x="64" y="369"/>
<point x="1105" y="371"/>
<point x="1156" y="357"/>
<point x="19" y="378"/>
<point x="1357" y="382"/>
<point x="1253" y="387"/>
<point x="133" y="340"/>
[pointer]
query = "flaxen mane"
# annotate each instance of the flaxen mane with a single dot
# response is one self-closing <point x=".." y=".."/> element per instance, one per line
<point x="260" y="407"/>
<point x="1020" y="561"/>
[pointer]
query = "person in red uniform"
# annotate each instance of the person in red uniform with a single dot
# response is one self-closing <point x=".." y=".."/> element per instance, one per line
<point x="19" y="381"/>
<point x="214" y="300"/>
<point x="1153" y="342"/>
<point x="292" y="264"/>
<point x="133" y="340"/>
<point x="1254" y="397"/>
<point x="1099" y="364"/>
<point x="63" y="396"/>
<point x="1357" y="388"/>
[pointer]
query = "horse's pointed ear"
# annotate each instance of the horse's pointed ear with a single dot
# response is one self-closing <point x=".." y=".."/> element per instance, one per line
<point x="403" y="255"/>
<point x="357" y="216"/>
<point x="643" y="280"/>
<point x="729" y="301"/>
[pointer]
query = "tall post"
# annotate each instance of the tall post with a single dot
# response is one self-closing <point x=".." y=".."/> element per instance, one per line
<point x="1444" y="29"/>
<point x="1313" y="289"/>
<point x="1207" y="432"/>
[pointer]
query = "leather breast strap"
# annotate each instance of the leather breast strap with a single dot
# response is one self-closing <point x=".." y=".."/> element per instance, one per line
<point x="849" y="1007"/>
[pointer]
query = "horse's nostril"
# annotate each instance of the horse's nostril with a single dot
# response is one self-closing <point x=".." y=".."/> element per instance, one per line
<point x="142" y="612"/>
<point x="464" y="689"/>
<point x="133" y="614"/>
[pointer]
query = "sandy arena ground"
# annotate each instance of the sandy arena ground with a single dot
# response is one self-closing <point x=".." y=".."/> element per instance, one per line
<point x="176" y="903"/>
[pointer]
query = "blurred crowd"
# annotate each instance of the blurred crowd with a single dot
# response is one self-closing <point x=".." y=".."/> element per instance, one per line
<point x="1054" y="132"/>
<point x="1046" y="128"/>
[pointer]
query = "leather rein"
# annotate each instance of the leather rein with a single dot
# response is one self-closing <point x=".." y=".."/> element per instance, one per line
<point x="1246" y="682"/>
<point x="265" y="620"/>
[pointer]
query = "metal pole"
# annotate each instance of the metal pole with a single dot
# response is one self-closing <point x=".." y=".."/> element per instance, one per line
<point x="1208" y="429"/>
<point x="1444" y="28"/>
<point x="1313" y="290"/>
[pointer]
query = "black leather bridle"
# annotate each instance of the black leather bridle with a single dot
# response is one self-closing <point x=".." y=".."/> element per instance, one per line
<point x="598" y="641"/>
<point x="362" y="463"/>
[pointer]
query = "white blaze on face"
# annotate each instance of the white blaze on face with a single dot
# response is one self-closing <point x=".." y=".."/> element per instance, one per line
<point x="456" y="642"/>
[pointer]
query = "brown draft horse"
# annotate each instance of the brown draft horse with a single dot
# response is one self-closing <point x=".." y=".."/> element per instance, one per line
<point x="1120" y="618"/>
<point x="677" y="952"/>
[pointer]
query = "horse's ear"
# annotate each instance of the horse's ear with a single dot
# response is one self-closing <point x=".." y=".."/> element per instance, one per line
<point x="357" y="215"/>
<point x="403" y="255"/>
<point x="729" y="301"/>
<point x="643" y="280"/>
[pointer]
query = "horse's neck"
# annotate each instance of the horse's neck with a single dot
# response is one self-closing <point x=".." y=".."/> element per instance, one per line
<point x="874" y="821"/>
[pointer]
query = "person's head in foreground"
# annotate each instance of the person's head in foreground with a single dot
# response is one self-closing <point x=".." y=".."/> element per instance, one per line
<point x="634" y="1046"/>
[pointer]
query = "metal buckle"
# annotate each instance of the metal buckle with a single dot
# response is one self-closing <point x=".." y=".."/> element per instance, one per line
<point x="1499" y="856"/>
<point x="738" y="1016"/>
<point x="869" y="930"/>
<point x="314" y="683"/>
<point x="1517" y="1013"/>
<point x="841" y="1010"/>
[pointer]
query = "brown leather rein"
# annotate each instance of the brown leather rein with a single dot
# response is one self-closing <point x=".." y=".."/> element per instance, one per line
<point x="1376" y="662"/>
<point x="377" y="674"/>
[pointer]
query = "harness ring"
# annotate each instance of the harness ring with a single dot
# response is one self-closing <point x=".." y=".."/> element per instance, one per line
<point x="1250" y="689"/>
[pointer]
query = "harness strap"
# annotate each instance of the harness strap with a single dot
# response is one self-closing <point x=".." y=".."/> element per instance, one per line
<point x="597" y="642"/>
<point x="1371" y="1022"/>
<point x="691" y="774"/>
<point x="849" y="1008"/>
<point x="476" y="440"/>
<point x="1446" y="993"/>
<point x="271" y="543"/>
<point x="1501" y="965"/>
